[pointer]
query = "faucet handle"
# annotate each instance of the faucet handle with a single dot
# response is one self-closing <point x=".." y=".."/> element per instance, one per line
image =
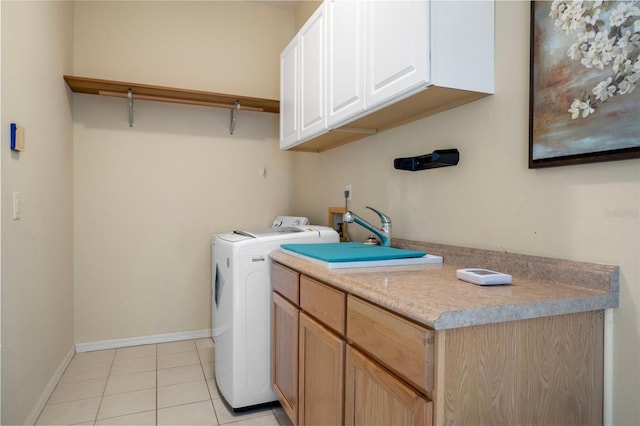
<point x="383" y="217"/>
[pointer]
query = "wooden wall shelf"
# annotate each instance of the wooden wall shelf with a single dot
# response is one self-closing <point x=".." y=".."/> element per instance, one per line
<point x="121" y="89"/>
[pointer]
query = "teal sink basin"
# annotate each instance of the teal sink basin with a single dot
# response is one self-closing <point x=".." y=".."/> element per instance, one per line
<point x="358" y="255"/>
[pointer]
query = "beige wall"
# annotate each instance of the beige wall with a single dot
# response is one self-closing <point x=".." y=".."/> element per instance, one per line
<point x="219" y="46"/>
<point x="37" y="264"/>
<point x="148" y="198"/>
<point x="304" y="9"/>
<point x="491" y="199"/>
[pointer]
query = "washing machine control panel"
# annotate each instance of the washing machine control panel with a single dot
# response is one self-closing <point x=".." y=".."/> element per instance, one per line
<point x="282" y="221"/>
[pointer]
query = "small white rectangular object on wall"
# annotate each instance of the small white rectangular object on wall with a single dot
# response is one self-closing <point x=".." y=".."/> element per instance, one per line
<point x="17" y="206"/>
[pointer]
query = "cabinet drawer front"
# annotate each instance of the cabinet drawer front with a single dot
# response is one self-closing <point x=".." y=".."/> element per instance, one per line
<point x="286" y="282"/>
<point x="325" y="303"/>
<point x="402" y="346"/>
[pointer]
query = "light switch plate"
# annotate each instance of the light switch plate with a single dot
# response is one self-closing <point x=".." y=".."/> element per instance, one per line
<point x="17" y="206"/>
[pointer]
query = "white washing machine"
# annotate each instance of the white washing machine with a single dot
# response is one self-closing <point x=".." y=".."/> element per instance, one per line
<point x="242" y="332"/>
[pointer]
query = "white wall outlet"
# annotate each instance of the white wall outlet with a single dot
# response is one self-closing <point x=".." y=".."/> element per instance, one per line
<point x="17" y="206"/>
<point x="348" y="191"/>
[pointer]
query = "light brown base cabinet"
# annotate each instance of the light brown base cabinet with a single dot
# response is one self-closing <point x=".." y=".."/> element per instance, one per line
<point x="321" y="374"/>
<point x="285" y="354"/>
<point x="339" y="359"/>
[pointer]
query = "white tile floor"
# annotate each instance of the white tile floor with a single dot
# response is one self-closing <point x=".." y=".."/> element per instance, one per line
<point x="163" y="384"/>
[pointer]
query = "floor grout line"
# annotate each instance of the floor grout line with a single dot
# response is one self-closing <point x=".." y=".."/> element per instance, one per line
<point x="106" y="382"/>
<point x="202" y="353"/>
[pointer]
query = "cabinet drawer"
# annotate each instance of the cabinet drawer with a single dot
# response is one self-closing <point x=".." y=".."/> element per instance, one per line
<point x="325" y="303"/>
<point x="286" y="282"/>
<point x="402" y="346"/>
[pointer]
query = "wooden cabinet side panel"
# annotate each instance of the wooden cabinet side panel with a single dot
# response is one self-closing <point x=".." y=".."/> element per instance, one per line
<point x="285" y="354"/>
<point x="539" y="371"/>
<point x="373" y="396"/>
<point x="321" y="375"/>
<point x="286" y="282"/>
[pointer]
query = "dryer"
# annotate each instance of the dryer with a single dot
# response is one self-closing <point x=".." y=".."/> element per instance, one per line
<point x="242" y="308"/>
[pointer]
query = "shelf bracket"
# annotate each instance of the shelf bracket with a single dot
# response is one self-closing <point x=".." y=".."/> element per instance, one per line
<point x="130" y="96"/>
<point x="234" y="111"/>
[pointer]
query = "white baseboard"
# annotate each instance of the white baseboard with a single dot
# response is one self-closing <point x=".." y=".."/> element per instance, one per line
<point x="48" y="390"/>
<point x="142" y="340"/>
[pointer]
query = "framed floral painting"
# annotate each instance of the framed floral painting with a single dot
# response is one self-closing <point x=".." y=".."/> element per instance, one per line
<point x="585" y="82"/>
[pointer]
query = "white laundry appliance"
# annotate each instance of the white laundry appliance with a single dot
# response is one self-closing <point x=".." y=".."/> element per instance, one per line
<point x="242" y="313"/>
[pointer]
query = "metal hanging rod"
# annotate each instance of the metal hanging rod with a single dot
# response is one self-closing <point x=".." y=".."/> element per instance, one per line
<point x="235" y="107"/>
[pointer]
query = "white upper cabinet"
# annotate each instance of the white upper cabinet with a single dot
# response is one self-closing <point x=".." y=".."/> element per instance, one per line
<point x="289" y="66"/>
<point x="397" y="49"/>
<point x="303" y="83"/>
<point x="345" y="60"/>
<point x="369" y="65"/>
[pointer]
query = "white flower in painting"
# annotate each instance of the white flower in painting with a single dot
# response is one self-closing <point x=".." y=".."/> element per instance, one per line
<point x="618" y="61"/>
<point x="586" y="108"/>
<point x="622" y="12"/>
<point x="599" y="42"/>
<point x="581" y="108"/>
<point x="568" y="16"/>
<point x="626" y="86"/>
<point x="593" y="18"/>
<point x="601" y="51"/>
<point x="577" y="50"/>
<point x="604" y="90"/>
<point x="575" y="109"/>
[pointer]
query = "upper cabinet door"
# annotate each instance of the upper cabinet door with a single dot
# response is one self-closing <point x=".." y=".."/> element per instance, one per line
<point x="397" y="50"/>
<point x="289" y="75"/>
<point x="312" y="75"/>
<point x="345" y="60"/>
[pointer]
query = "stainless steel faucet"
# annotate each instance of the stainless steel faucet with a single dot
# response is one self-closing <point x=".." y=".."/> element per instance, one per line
<point x="384" y="233"/>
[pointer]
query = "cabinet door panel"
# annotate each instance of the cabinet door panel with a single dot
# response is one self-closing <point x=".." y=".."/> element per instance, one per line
<point x="285" y="354"/>
<point x="373" y="396"/>
<point x="345" y="60"/>
<point x="321" y="374"/>
<point x="289" y="65"/>
<point x="397" y="49"/>
<point x="312" y="75"/>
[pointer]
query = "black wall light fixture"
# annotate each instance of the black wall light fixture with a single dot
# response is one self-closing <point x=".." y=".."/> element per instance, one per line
<point x="439" y="158"/>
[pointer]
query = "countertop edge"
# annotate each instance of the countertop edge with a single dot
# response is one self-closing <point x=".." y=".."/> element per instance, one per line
<point x="471" y="317"/>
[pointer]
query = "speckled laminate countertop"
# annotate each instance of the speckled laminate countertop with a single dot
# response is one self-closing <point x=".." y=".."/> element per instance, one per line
<point x="432" y="295"/>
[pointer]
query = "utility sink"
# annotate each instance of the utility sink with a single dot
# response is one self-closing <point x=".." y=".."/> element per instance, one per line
<point x="358" y="255"/>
